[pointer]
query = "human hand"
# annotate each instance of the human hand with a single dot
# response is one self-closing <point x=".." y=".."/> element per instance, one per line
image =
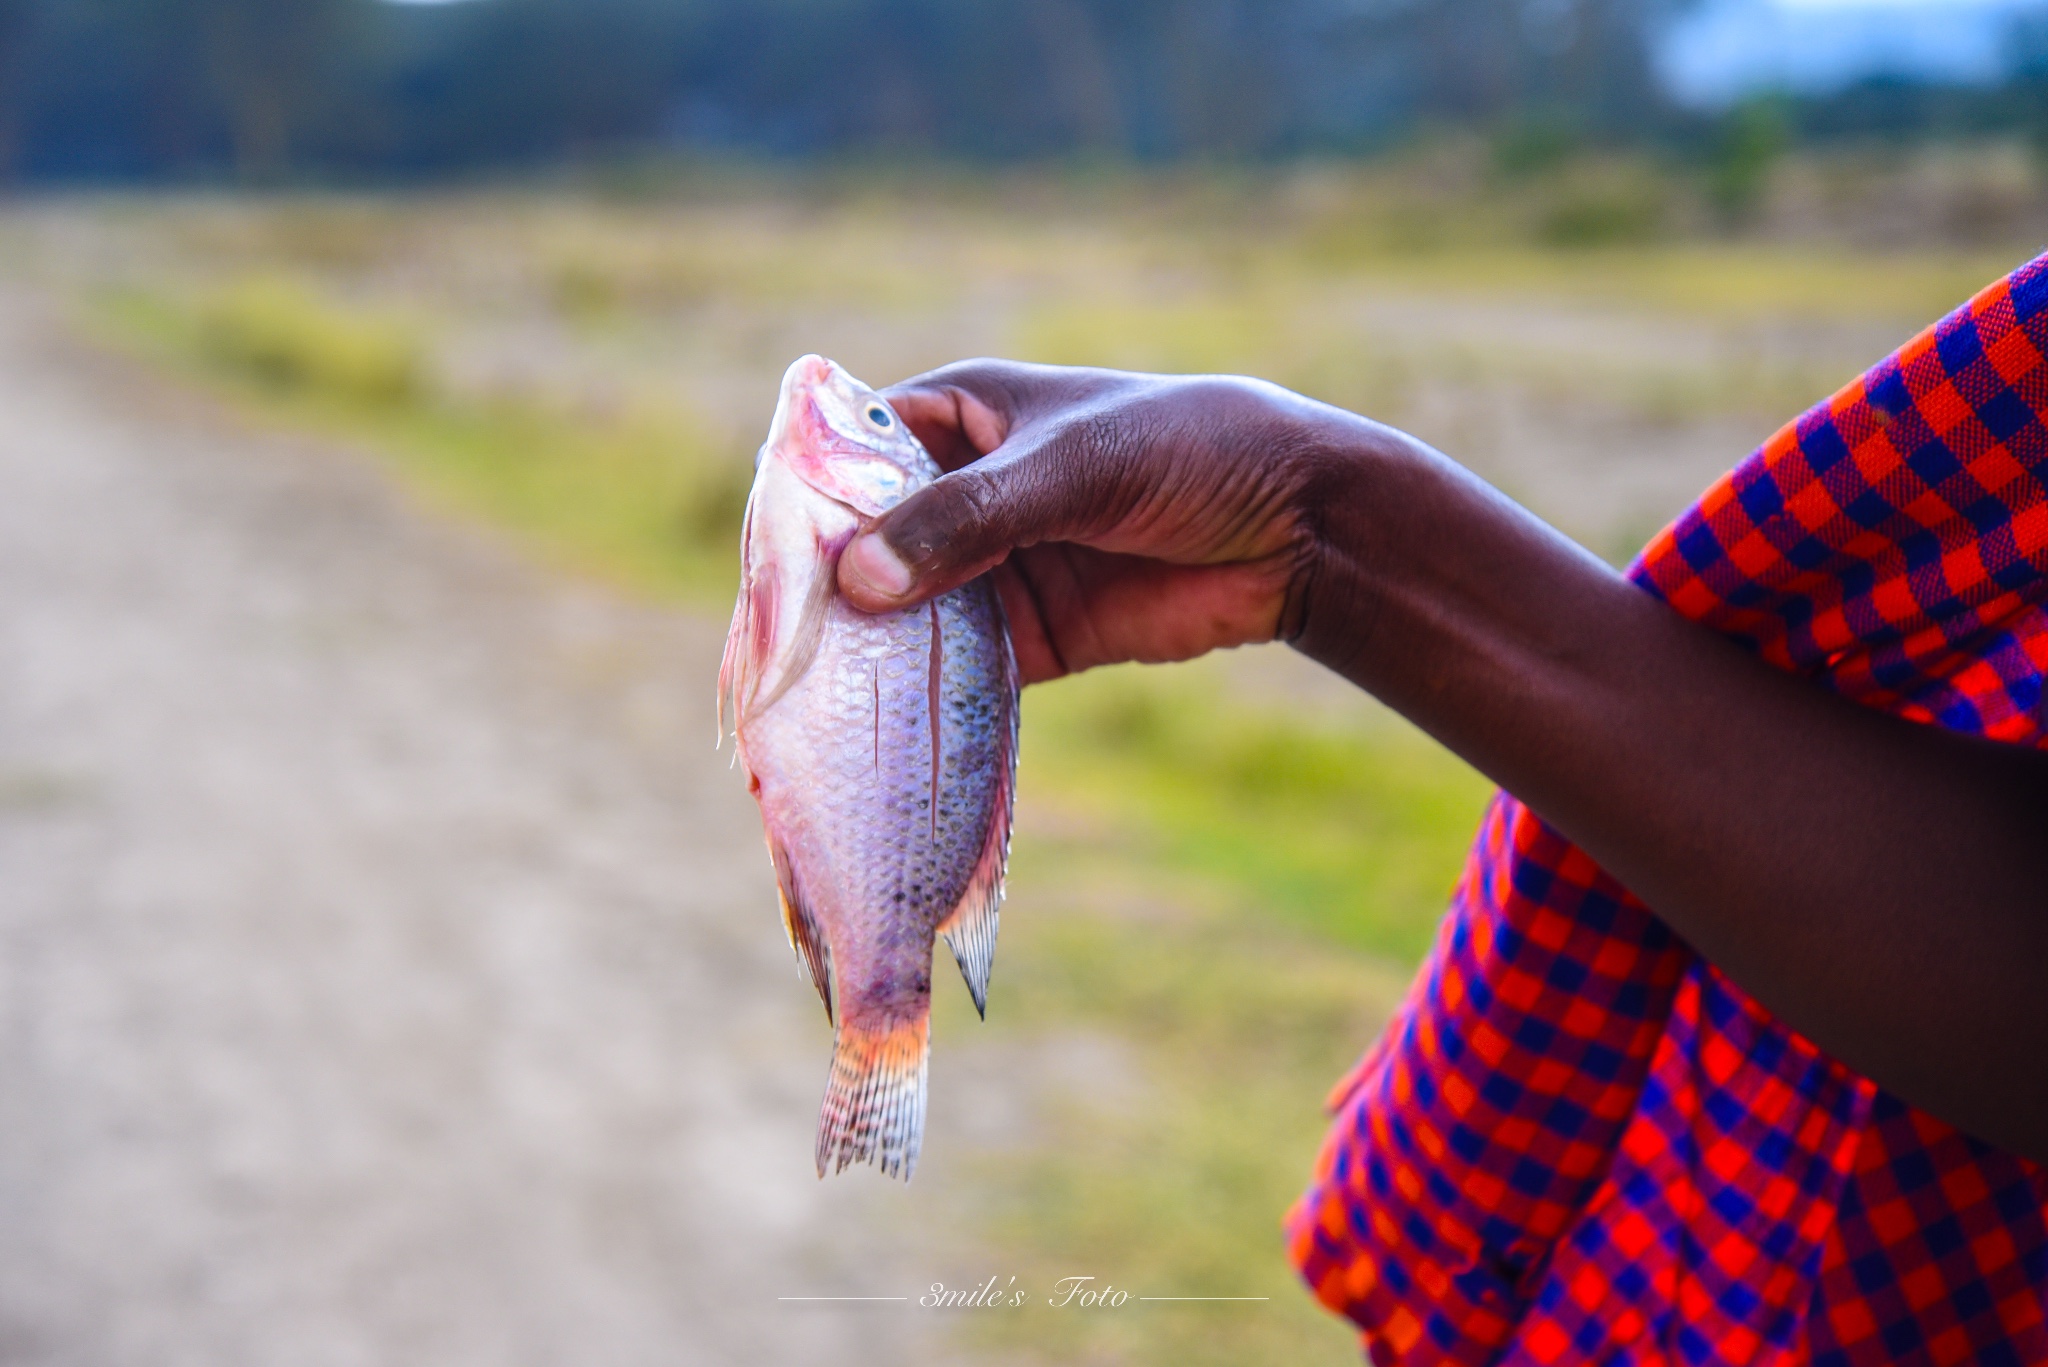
<point x="1124" y="516"/>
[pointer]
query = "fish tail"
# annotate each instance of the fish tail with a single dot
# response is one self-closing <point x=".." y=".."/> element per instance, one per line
<point x="874" y="1100"/>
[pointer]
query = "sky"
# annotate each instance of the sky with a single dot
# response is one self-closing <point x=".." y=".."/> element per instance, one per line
<point x="1724" y="49"/>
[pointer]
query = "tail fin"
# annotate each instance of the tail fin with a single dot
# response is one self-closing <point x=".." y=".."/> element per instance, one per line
<point x="874" y="1101"/>
<point x="970" y="929"/>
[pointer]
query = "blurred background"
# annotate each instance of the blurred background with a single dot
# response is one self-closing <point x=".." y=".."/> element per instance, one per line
<point x="388" y="968"/>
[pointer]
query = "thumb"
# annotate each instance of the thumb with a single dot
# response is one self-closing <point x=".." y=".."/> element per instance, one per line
<point x="959" y="526"/>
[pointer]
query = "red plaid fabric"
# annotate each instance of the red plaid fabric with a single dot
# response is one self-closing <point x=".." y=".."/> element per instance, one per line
<point x="1578" y="1142"/>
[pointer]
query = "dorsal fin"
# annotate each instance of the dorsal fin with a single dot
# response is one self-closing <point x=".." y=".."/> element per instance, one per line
<point x="970" y="929"/>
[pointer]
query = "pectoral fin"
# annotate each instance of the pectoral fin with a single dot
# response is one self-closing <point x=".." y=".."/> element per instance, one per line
<point x="750" y="653"/>
<point x="805" y="640"/>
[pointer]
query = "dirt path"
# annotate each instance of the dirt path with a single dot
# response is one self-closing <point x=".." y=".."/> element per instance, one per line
<point x="385" y="974"/>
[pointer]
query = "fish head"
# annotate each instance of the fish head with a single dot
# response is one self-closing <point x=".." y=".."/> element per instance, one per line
<point x="844" y="440"/>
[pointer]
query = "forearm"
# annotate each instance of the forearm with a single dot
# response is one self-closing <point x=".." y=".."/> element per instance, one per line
<point x="1882" y="886"/>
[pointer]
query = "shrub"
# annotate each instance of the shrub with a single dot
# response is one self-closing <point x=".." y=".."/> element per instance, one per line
<point x="282" y="335"/>
<point x="1603" y="215"/>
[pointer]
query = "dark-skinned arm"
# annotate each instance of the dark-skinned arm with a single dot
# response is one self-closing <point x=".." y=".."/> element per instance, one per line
<point x="1882" y="886"/>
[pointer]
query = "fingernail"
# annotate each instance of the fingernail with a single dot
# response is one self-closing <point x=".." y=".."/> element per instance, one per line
<point x="874" y="560"/>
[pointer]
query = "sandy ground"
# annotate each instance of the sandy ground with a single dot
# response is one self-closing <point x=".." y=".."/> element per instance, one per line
<point x="387" y="970"/>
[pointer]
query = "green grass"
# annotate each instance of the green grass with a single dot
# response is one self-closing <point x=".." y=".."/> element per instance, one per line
<point x="1185" y="1054"/>
<point x="1733" y="281"/>
<point x="642" y="498"/>
<point x="1349" y="832"/>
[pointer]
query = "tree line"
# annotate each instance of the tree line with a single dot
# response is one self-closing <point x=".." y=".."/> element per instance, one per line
<point x="365" y="89"/>
<point x="137" y="89"/>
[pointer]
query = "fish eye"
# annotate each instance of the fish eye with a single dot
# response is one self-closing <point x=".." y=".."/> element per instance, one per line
<point x="880" y="416"/>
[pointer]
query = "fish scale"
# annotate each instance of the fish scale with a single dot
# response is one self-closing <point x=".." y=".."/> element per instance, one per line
<point x="881" y="749"/>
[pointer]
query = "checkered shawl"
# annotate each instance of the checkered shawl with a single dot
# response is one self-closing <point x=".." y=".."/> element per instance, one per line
<point x="1579" y="1142"/>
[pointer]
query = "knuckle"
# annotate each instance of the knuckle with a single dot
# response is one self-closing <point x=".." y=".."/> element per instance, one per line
<point x="991" y="380"/>
<point x="972" y="495"/>
<point x="945" y="521"/>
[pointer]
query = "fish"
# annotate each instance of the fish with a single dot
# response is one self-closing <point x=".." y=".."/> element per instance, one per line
<point x="881" y="749"/>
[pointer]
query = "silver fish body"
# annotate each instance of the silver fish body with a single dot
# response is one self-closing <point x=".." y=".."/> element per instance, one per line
<point x="881" y="750"/>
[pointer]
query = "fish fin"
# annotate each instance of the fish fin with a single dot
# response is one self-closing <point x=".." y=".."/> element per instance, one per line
<point x="935" y="676"/>
<point x="874" y="1099"/>
<point x="730" y="667"/>
<point x="750" y="637"/>
<point x="806" y="936"/>
<point x="970" y="929"/>
<point x="809" y="635"/>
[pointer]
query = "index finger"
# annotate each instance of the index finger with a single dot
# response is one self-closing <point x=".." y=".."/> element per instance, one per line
<point x="955" y="426"/>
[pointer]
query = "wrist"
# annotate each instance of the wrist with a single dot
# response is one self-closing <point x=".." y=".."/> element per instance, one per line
<point x="1353" y="491"/>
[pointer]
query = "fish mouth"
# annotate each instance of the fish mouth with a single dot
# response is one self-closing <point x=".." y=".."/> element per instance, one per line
<point x="799" y="376"/>
<point x="797" y="414"/>
<point x="816" y="435"/>
<point x="811" y="370"/>
<point x="800" y="421"/>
